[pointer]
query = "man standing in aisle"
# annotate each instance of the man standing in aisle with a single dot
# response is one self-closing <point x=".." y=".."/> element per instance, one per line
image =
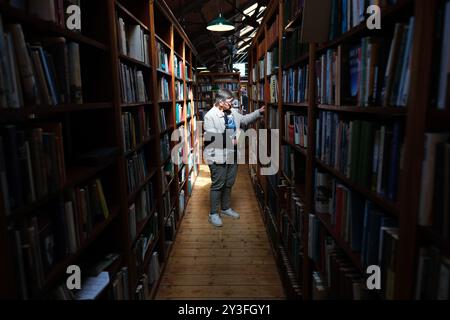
<point x="222" y="124"/>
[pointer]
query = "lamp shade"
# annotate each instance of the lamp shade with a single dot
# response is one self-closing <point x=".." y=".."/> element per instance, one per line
<point x="220" y="24"/>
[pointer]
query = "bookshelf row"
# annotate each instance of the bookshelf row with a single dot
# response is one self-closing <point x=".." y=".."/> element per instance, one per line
<point x="81" y="183"/>
<point x="360" y="137"/>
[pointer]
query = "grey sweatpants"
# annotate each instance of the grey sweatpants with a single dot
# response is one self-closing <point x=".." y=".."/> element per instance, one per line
<point x="223" y="177"/>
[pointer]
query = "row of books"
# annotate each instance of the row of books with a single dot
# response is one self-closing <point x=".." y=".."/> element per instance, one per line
<point x="149" y="270"/>
<point x="204" y="88"/>
<point x="144" y="243"/>
<point x="347" y="14"/>
<point x="434" y="208"/>
<point x="353" y="218"/>
<point x="228" y="86"/>
<point x="179" y="90"/>
<point x="136" y="128"/>
<point x="133" y="41"/>
<point x="337" y="278"/>
<point x="44" y="72"/>
<point x="291" y="9"/>
<point x="368" y="153"/>
<point x="273" y="32"/>
<point x="134" y="89"/>
<point x="98" y="282"/>
<point x="165" y="92"/>
<point x="141" y="208"/>
<point x="137" y="169"/>
<point x="162" y="60"/>
<point x="296" y="129"/>
<point x="295" y="84"/>
<point x="375" y="72"/>
<point x="32" y="163"/>
<point x="55" y="11"/>
<point x="293" y="48"/>
<point x="146" y="239"/>
<point x="58" y="230"/>
<point x="86" y="207"/>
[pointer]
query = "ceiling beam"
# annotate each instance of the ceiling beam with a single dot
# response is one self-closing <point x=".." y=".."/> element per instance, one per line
<point x="193" y="5"/>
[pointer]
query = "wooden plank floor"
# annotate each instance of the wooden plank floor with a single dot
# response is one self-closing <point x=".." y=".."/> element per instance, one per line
<point x="232" y="262"/>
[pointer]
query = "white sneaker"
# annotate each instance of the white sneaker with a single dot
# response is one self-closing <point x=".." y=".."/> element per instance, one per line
<point x="215" y="220"/>
<point x="231" y="213"/>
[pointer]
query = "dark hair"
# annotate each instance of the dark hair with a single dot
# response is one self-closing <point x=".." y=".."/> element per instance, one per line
<point x="223" y="94"/>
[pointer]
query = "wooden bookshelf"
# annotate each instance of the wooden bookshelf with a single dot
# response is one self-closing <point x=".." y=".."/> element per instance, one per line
<point x="48" y="28"/>
<point x="39" y="112"/>
<point x="376" y="111"/>
<point x="98" y="123"/>
<point x="417" y="118"/>
<point x="387" y="205"/>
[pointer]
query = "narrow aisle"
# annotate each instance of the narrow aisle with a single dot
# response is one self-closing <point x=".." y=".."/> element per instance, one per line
<point x="232" y="262"/>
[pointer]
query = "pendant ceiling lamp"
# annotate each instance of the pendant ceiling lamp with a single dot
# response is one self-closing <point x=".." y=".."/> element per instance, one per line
<point x="220" y="24"/>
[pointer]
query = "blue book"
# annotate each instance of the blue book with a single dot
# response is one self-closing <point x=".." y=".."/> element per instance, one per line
<point x="48" y="75"/>
<point x="355" y="67"/>
<point x="344" y="16"/>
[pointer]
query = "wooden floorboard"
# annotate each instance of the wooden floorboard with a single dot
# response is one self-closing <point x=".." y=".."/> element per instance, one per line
<point x="230" y="291"/>
<point x="232" y="262"/>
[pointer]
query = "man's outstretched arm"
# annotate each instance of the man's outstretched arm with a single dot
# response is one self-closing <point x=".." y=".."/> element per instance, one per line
<point x="252" y="117"/>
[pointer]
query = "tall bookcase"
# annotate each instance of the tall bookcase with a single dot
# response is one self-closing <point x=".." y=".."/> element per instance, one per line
<point x="99" y="150"/>
<point x="303" y="203"/>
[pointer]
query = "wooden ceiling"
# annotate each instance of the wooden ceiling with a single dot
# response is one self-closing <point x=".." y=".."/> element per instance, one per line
<point x="217" y="51"/>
